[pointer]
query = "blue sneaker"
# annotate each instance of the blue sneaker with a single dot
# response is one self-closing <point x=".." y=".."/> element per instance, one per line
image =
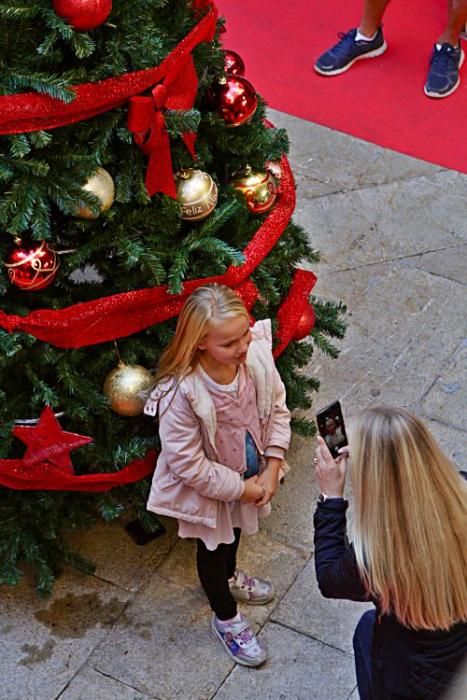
<point x="342" y="55"/>
<point x="443" y="76"/>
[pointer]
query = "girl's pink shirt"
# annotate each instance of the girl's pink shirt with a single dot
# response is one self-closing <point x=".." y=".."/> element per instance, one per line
<point x="236" y="414"/>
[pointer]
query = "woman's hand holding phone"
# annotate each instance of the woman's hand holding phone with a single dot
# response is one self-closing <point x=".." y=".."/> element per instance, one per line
<point x="330" y="472"/>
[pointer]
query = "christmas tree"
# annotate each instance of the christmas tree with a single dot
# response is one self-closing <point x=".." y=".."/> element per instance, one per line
<point x="136" y="163"/>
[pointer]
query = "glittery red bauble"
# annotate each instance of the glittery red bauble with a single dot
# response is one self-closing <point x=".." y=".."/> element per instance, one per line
<point x="83" y="14"/>
<point x="305" y="323"/>
<point x="32" y="267"/>
<point x="235" y="99"/>
<point x="233" y="63"/>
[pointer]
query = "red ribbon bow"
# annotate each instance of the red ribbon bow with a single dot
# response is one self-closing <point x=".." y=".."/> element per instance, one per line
<point x="146" y="121"/>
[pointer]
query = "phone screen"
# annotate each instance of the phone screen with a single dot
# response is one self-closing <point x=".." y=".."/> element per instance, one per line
<point x="331" y="427"/>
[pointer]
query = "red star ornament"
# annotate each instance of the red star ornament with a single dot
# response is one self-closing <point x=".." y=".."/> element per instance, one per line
<point x="47" y="442"/>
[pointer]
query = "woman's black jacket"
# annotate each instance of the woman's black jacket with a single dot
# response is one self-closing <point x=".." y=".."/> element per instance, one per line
<point x="420" y="665"/>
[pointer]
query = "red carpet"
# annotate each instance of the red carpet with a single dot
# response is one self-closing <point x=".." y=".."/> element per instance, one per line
<point x="380" y="100"/>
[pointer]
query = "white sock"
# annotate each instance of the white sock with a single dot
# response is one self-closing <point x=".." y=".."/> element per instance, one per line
<point x="361" y="37"/>
<point x="439" y="46"/>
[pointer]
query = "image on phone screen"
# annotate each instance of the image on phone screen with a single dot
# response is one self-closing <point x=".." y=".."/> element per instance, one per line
<point x="331" y="427"/>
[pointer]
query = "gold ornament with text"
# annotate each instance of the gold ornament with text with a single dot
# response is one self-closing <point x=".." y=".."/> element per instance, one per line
<point x="258" y="188"/>
<point x="196" y="193"/>
<point x="123" y="385"/>
<point x="102" y="186"/>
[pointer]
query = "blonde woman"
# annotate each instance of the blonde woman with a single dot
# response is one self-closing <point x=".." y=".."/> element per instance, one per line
<point x="409" y="555"/>
<point x="224" y="428"/>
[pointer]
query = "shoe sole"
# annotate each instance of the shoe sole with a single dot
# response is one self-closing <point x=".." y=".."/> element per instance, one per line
<point x="438" y="95"/>
<point x="338" y="71"/>
<point x="248" y="601"/>
<point x="242" y="662"/>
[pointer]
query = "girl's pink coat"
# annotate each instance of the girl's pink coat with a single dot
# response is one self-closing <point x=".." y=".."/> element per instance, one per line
<point x="188" y="481"/>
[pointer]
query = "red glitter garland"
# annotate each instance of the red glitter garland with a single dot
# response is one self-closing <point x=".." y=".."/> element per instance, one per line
<point x="30" y="111"/>
<point x="45" y="476"/>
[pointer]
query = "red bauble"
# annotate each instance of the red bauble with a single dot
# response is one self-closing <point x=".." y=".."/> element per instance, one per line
<point x="83" y="14"/>
<point x="305" y="323"/>
<point x="235" y="99"/>
<point x="32" y="267"/>
<point x="233" y="63"/>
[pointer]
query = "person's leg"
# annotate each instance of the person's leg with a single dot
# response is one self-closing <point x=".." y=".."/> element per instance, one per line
<point x="231" y="560"/>
<point x="457" y="18"/>
<point x="212" y="572"/>
<point x="366" y="41"/>
<point x="373" y="11"/>
<point x="362" y="641"/>
<point x="229" y="626"/>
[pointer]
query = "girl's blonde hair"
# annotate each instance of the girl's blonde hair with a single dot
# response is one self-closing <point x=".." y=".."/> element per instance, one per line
<point x="410" y="524"/>
<point x="207" y="305"/>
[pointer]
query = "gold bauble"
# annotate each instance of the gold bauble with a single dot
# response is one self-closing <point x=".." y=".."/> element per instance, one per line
<point x="123" y="385"/>
<point x="196" y="192"/>
<point x="102" y="186"/>
<point x="258" y="188"/>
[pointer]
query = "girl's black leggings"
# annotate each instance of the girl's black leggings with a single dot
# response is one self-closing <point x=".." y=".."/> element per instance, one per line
<point x="214" y="570"/>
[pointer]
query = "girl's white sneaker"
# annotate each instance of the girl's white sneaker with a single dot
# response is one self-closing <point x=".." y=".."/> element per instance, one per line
<point x="250" y="589"/>
<point x="239" y="641"/>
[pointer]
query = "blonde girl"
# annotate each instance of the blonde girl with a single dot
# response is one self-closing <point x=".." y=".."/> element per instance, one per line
<point x="409" y="554"/>
<point x="224" y="428"/>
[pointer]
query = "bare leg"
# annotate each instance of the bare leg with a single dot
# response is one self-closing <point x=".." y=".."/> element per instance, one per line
<point x="457" y="17"/>
<point x="373" y="11"/>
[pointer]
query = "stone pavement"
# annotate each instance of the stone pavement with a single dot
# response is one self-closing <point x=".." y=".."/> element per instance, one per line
<point x="393" y="237"/>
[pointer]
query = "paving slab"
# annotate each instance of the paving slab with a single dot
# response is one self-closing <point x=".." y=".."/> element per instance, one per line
<point x="452" y="441"/>
<point x="298" y="668"/>
<point x="304" y="609"/>
<point x="154" y="647"/>
<point x="140" y="561"/>
<point x="404" y="326"/>
<point x="385" y="222"/>
<point x="47" y="641"/>
<point x="451" y="263"/>
<point x="326" y="161"/>
<point x="447" y="399"/>
<point x="92" y="685"/>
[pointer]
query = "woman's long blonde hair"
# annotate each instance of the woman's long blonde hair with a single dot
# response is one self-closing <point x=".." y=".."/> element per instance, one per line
<point x="210" y="304"/>
<point x="410" y="520"/>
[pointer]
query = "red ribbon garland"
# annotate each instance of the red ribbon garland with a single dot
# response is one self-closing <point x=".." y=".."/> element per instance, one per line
<point x="292" y="308"/>
<point x="178" y="84"/>
<point x="146" y="121"/>
<point x="30" y="111"/>
<point x="14" y="475"/>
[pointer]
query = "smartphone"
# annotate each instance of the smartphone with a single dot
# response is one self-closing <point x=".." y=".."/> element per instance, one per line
<point x="331" y="427"/>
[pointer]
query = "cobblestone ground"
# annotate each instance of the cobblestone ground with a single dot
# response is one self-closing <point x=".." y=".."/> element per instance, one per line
<point x="393" y="236"/>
